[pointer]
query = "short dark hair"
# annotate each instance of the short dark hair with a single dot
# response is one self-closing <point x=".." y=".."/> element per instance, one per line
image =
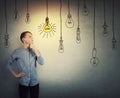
<point x="23" y="34"/>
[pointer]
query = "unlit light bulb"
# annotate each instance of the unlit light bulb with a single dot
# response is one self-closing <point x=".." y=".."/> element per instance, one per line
<point x="105" y="31"/>
<point x="61" y="47"/>
<point x="85" y="11"/>
<point x="94" y="60"/>
<point x="78" y="38"/>
<point x="69" y="21"/>
<point x="27" y="19"/>
<point x="16" y="15"/>
<point x="114" y="46"/>
<point x="6" y="39"/>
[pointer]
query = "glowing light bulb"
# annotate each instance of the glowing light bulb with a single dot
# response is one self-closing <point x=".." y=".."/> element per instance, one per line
<point x="114" y="46"/>
<point x="69" y="21"/>
<point x="47" y="28"/>
<point x="105" y="31"/>
<point x="78" y="38"/>
<point x="27" y="19"/>
<point x="16" y="15"/>
<point x="85" y="11"/>
<point x="61" y="47"/>
<point x="94" y="60"/>
<point x="6" y="38"/>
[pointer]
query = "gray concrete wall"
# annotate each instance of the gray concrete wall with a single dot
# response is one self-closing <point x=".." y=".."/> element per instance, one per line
<point x="70" y="74"/>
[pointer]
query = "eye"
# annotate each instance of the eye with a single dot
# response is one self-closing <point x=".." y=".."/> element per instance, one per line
<point x="30" y="36"/>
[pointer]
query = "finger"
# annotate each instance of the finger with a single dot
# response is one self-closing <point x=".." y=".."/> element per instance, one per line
<point x="22" y="74"/>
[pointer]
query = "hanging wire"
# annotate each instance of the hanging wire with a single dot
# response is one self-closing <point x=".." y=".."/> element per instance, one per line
<point x="94" y="60"/>
<point x="94" y="26"/>
<point x="47" y="8"/>
<point x="68" y="6"/>
<point x="85" y="9"/>
<point x="27" y="20"/>
<point x="78" y="14"/>
<point x="15" y="4"/>
<point x="105" y="26"/>
<point x="16" y="14"/>
<point x="47" y="18"/>
<point x="61" y="47"/>
<point x="27" y="7"/>
<point x="47" y="29"/>
<point x="6" y="36"/>
<point x="60" y="19"/>
<point x="78" y="38"/>
<point x="69" y="21"/>
<point x="6" y="17"/>
<point x="104" y="3"/>
<point x="114" y="46"/>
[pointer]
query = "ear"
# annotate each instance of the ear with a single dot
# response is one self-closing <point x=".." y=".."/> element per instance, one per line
<point x="23" y="40"/>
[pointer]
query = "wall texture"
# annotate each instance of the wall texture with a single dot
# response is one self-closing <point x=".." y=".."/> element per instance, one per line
<point x="68" y="74"/>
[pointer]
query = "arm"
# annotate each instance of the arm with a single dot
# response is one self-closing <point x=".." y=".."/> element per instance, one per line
<point x="40" y="60"/>
<point x="19" y="75"/>
<point x="39" y="57"/>
<point x="9" y="67"/>
<point x="38" y="54"/>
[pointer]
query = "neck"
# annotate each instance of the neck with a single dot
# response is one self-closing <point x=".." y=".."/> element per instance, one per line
<point x="26" y="45"/>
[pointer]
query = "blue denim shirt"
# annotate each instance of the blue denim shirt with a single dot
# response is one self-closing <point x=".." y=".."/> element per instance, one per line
<point x="26" y="62"/>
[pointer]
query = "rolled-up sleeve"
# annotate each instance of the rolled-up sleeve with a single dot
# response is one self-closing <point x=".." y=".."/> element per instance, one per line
<point x="40" y="60"/>
<point x="10" y="62"/>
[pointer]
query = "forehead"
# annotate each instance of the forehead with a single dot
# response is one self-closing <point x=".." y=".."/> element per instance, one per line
<point x="28" y="34"/>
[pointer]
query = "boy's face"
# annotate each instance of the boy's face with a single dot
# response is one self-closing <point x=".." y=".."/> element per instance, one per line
<point x="28" y="39"/>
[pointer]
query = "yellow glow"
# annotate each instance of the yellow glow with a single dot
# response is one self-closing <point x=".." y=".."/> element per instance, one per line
<point x="47" y="28"/>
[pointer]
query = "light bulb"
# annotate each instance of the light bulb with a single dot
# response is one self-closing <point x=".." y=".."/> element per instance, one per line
<point x="47" y="26"/>
<point x="94" y="52"/>
<point x="114" y="46"/>
<point x="69" y="21"/>
<point x="105" y="31"/>
<point x="94" y="60"/>
<point x="6" y="39"/>
<point x="16" y="15"/>
<point x="27" y="19"/>
<point x="78" y="38"/>
<point x="61" y="47"/>
<point x="85" y="11"/>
